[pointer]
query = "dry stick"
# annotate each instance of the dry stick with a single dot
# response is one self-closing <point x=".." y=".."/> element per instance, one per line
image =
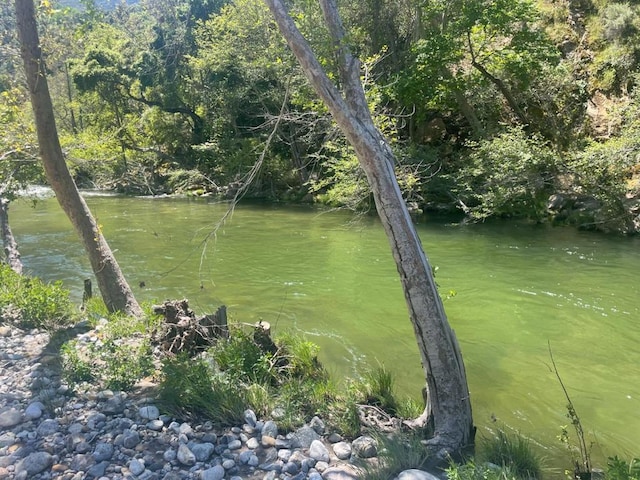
<point x="573" y="415"/>
<point x="246" y="182"/>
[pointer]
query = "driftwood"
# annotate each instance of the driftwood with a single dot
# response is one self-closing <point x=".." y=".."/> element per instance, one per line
<point x="182" y="331"/>
<point x="11" y="252"/>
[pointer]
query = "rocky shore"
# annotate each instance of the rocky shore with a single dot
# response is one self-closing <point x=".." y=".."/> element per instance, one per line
<point x="47" y="432"/>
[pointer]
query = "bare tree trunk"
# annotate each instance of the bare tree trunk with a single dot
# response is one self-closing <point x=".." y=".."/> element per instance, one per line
<point x="115" y="291"/>
<point x="11" y="253"/>
<point x="448" y="402"/>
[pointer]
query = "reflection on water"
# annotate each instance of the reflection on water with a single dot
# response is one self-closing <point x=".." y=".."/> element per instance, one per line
<point x="518" y="287"/>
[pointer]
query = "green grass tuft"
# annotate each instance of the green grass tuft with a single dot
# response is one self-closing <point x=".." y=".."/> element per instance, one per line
<point x="513" y="452"/>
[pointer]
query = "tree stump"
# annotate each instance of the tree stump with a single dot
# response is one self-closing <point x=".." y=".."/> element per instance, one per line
<point x="183" y="332"/>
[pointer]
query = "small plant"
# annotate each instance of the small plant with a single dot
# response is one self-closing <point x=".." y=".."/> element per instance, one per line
<point x="582" y="464"/>
<point x="473" y="471"/>
<point x="31" y="303"/>
<point x="513" y="452"/>
<point x="618" y="469"/>
<point x="125" y="362"/>
<point x="75" y="368"/>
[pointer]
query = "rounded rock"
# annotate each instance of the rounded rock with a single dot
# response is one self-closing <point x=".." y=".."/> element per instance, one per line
<point x="103" y="451"/>
<point x="34" y="411"/>
<point x="136" y="467"/>
<point x="10" y="418"/>
<point x="185" y="456"/>
<point x="149" y="412"/>
<point x="202" y="451"/>
<point x="364" y="447"/>
<point x="318" y="451"/>
<point x="34" y="463"/>
<point x="250" y="417"/>
<point x="270" y="429"/>
<point x="415" y="474"/>
<point x="214" y="473"/>
<point x="47" y="427"/>
<point x="342" y="450"/>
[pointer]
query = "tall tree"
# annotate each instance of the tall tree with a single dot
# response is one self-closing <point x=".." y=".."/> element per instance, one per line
<point x="448" y="405"/>
<point x="115" y="291"/>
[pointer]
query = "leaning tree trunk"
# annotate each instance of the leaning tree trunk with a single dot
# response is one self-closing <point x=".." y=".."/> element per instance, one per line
<point x="115" y="291"/>
<point x="11" y="253"/>
<point x="448" y="402"/>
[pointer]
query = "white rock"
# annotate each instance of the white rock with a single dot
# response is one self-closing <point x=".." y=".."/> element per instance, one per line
<point x="149" y="412"/>
<point x="185" y="456"/>
<point x="415" y="474"/>
<point x="342" y="450"/>
<point x="318" y="451"/>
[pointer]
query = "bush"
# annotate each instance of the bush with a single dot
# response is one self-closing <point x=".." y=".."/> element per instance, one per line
<point x="510" y="175"/>
<point x="31" y="303"/>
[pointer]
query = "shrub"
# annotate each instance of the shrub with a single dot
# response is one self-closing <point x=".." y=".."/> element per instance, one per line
<point x="32" y="303"/>
<point x="510" y="175"/>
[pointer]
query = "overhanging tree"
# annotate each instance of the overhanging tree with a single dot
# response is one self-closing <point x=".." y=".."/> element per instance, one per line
<point x="448" y="403"/>
<point x="115" y="291"/>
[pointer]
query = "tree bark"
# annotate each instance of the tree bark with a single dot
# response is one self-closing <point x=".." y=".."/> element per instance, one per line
<point x="11" y="253"/>
<point x="115" y="291"/>
<point x="448" y="404"/>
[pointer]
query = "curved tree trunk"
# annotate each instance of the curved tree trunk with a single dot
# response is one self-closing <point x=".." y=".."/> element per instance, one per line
<point x="115" y="291"/>
<point x="448" y="402"/>
<point x="11" y="253"/>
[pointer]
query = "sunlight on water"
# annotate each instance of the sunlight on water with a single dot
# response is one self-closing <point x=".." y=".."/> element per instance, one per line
<point x="330" y="275"/>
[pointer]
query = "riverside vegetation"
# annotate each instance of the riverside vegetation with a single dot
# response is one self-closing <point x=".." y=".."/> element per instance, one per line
<point x="523" y="108"/>
<point x="220" y="384"/>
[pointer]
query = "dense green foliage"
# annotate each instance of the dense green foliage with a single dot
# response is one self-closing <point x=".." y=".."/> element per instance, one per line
<point x="490" y="108"/>
<point x="31" y="303"/>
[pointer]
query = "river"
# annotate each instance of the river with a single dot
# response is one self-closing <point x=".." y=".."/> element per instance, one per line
<point x="330" y="275"/>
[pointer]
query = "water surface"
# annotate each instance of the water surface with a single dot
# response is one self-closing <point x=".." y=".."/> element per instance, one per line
<point x="331" y="275"/>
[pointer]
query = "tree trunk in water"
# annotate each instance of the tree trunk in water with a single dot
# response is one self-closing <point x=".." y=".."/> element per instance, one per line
<point x="11" y="253"/>
<point x="448" y="402"/>
<point x="115" y="291"/>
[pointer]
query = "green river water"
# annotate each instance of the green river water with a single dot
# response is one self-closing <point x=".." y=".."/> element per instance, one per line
<point x="331" y="276"/>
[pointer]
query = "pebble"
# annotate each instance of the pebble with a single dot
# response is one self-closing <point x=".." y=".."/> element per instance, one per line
<point x="47" y="432"/>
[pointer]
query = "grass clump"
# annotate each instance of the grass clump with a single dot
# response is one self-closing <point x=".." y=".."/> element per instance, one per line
<point x="396" y="453"/>
<point x="191" y="388"/>
<point x="514" y="453"/>
<point x="29" y="302"/>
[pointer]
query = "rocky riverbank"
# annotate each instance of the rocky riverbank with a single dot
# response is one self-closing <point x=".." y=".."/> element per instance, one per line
<point x="47" y="431"/>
